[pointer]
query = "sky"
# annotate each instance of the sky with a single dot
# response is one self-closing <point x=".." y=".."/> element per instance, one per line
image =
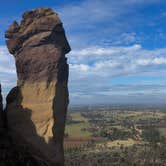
<point x="118" y="48"/>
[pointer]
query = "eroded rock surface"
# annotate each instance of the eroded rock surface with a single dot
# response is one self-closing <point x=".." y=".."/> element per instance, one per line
<point x="37" y="106"/>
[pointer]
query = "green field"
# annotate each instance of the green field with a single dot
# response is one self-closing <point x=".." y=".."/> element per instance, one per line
<point x="91" y="123"/>
<point x="75" y="130"/>
<point x="102" y="137"/>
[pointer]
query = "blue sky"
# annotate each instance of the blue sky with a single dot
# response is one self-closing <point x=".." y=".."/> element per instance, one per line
<point x="118" y="48"/>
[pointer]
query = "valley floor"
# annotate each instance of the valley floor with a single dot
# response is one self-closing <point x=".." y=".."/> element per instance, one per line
<point x="116" y="137"/>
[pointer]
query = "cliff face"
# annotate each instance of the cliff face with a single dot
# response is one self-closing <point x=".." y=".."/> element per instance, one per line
<point x="36" y="107"/>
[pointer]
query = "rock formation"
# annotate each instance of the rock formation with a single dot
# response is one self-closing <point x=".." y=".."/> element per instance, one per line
<point x="36" y="107"/>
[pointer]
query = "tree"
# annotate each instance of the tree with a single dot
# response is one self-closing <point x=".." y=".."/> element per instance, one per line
<point x="151" y="135"/>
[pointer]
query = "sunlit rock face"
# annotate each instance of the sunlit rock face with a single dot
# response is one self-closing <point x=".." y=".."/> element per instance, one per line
<point x="37" y="106"/>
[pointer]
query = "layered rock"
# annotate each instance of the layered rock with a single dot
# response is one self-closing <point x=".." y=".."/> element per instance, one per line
<point x="37" y="106"/>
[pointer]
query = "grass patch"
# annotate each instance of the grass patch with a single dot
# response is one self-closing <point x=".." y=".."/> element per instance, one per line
<point x="78" y="117"/>
<point x="75" y="130"/>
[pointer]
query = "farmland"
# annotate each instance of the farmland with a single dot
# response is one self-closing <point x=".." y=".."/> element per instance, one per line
<point x="104" y="131"/>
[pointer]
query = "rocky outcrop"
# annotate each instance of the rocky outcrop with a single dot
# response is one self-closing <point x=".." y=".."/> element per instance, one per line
<point x="37" y="106"/>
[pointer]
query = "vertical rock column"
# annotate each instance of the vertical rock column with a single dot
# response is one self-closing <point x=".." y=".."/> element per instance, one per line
<point x="37" y="106"/>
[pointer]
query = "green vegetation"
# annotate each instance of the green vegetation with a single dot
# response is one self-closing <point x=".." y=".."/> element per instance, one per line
<point x="114" y="135"/>
<point x="78" y="130"/>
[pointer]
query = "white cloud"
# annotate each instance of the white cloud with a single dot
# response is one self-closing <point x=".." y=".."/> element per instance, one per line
<point x="101" y="50"/>
<point x="95" y="30"/>
<point x="7" y="70"/>
<point x="107" y="22"/>
<point x="152" y="61"/>
<point x="115" y="61"/>
<point x="7" y="64"/>
<point x="92" y="72"/>
<point x="93" y="68"/>
<point x="89" y="11"/>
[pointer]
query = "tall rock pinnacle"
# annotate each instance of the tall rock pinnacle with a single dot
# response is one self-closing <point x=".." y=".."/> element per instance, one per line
<point x="37" y="106"/>
<point x="1" y="109"/>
